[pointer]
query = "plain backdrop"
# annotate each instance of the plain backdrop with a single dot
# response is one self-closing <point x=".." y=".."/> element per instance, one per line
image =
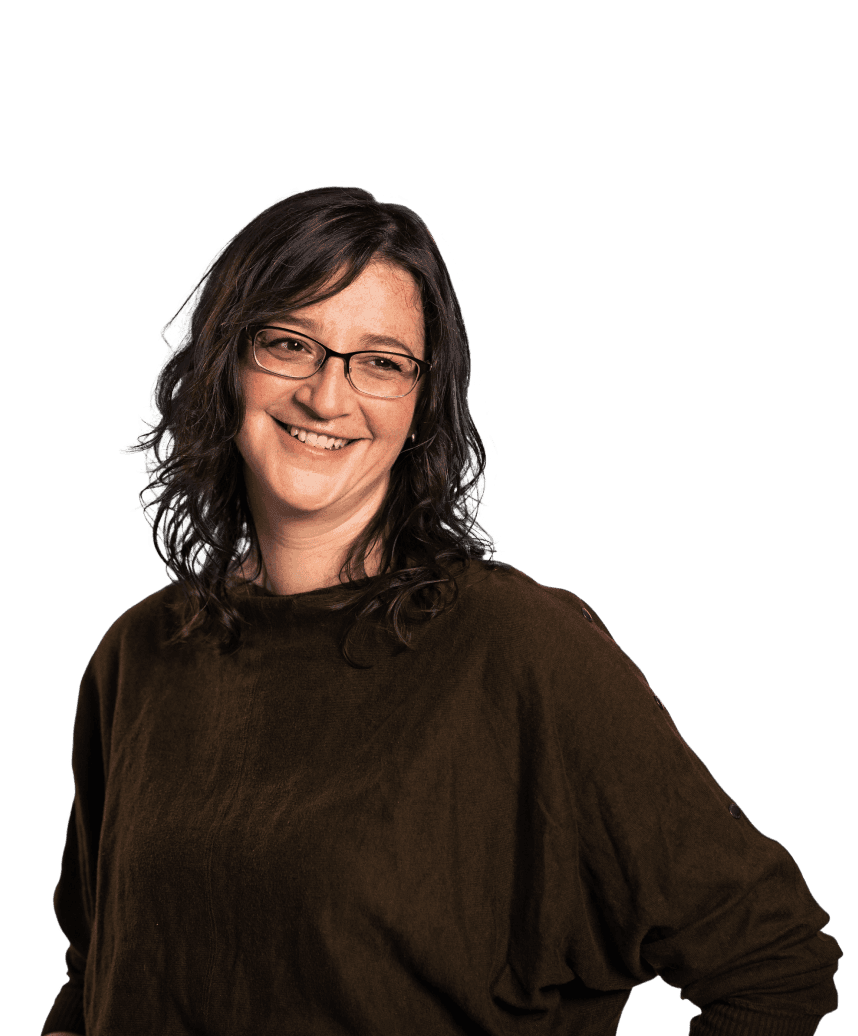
<point x="649" y="214"/>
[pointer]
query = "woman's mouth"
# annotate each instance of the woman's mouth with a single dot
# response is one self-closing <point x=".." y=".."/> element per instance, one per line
<point x="313" y="439"/>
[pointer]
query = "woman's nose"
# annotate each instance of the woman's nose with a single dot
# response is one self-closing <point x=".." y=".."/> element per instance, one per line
<point x="327" y="390"/>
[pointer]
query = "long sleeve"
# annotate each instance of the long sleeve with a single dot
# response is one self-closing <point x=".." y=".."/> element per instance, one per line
<point x="74" y="897"/>
<point x="672" y="874"/>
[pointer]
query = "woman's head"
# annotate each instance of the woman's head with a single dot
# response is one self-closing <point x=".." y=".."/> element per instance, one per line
<point x="365" y="418"/>
<point x="320" y="255"/>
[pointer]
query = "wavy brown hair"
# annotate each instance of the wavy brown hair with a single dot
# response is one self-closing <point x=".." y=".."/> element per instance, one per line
<point x="300" y="251"/>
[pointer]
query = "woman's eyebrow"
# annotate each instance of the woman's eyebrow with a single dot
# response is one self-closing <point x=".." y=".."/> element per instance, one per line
<point x="367" y="338"/>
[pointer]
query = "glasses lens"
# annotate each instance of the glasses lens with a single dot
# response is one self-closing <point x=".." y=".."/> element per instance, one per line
<point x="282" y="353"/>
<point x="383" y="374"/>
<point x="378" y="374"/>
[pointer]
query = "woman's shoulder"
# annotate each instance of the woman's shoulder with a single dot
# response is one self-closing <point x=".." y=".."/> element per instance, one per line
<point x="144" y="621"/>
<point x="505" y="591"/>
<point x="536" y="626"/>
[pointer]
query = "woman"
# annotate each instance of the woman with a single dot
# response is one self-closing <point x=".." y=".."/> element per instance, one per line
<point x="344" y="775"/>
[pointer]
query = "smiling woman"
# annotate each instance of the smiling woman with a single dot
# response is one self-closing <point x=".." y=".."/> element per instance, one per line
<point x="311" y="497"/>
<point x="498" y="830"/>
<point x="389" y="358"/>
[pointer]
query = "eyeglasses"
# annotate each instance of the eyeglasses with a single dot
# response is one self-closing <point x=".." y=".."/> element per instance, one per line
<point x="372" y="373"/>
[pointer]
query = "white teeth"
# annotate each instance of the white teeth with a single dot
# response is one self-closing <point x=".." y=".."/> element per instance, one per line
<point x="319" y="441"/>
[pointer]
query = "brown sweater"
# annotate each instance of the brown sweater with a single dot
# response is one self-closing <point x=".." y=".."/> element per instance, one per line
<point x="498" y="832"/>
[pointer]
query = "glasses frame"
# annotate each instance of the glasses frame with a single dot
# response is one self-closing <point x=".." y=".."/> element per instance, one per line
<point x="423" y="367"/>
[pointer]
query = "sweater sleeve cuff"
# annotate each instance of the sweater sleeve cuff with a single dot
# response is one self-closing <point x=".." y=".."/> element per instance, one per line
<point x="67" y="1012"/>
<point x="725" y="1019"/>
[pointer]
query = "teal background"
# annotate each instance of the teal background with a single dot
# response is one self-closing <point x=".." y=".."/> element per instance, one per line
<point x="656" y="201"/>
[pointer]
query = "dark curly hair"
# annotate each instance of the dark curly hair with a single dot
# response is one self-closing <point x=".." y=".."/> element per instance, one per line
<point x="300" y="251"/>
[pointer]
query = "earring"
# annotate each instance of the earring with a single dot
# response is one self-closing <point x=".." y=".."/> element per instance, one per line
<point x="413" y="436"/>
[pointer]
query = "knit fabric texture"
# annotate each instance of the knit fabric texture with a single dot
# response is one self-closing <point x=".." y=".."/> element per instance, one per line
<point x="500" y="831"/>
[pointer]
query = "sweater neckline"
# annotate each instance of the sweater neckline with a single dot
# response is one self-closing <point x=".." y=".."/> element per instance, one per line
<point x="253" y="591"/>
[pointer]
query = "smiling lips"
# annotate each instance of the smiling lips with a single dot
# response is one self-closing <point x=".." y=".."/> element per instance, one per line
<point x="323" y="442"/>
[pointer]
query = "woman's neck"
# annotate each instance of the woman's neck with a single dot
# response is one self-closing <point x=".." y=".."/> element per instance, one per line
<point x="297" y="567"/>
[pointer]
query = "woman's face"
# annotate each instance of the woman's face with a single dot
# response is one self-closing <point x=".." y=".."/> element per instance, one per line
<point x="291" y="479"/>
